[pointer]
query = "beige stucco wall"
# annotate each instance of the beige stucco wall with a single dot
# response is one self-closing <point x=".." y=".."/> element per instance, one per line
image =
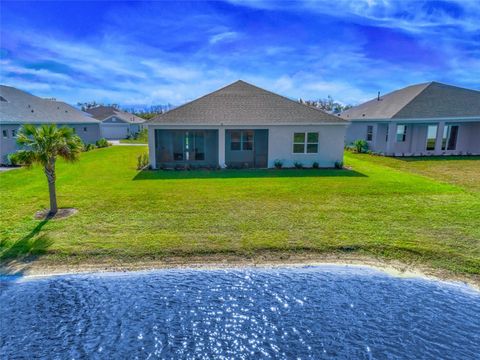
<point x="468" y="141"/>
<point x="280" y="143"/>
<point x="8" y="145"/>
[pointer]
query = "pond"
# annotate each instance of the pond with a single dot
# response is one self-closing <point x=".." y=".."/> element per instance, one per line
<point x="341" y="312"/>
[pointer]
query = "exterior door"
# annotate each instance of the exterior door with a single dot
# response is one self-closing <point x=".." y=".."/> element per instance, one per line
<point x="261" y="148"/>
<point x="246" y="148"/>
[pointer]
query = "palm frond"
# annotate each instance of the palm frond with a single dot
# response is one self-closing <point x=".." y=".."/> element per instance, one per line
<point x="26" y="157"/>
<point x="48" y="142"/>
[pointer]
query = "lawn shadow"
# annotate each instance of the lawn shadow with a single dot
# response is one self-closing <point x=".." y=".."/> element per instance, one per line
<point x="239" y="174"/>
<point x="15" y="257"/>
<point x="437" y="158"/>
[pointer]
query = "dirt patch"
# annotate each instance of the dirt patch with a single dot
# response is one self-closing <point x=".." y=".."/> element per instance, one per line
<point x="61" y="214"/>
<point x="45" y="267"/>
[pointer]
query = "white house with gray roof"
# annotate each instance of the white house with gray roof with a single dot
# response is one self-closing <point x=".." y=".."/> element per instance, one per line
<point x="116" y="123"/>
<point x="242" y="125"/>
<point x="18" y="107"/>
<point x="422" y="119"/>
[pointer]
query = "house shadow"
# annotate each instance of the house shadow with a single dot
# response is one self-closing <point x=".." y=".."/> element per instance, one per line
<point x="15" y="257"/>
<point x="244" y="173"/>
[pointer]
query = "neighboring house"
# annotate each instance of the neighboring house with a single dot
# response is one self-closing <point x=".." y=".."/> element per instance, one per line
<point x="116" y="124"/>
<point x="423" y="119"/>
<point x="18" y="107"/>
<point x="242" y="125"/>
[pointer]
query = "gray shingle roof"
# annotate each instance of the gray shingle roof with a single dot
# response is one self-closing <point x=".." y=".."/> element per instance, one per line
<point x="429" y="100"/>
<point x="241" y="103"/>
<point x="20" y="107"/>
<point x="104" y="112"/>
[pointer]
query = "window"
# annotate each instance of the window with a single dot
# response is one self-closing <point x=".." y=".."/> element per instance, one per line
<point x="241" y="140"/>
<point x="449" y="138"/>
<point x="431" y="137"/>
<point x="5" y="134"/>
<point x="299" y="143"/>
<point x="84" y="129"/>
<point x="401" y="133"/>
<point x="369" y="132"/>
<point x="305" y="143"/>
<point x="14" y="133"/>
<point x="236" y="140"/>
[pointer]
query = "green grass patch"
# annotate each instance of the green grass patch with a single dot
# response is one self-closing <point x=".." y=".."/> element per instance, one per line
<point x="413" y="211"/>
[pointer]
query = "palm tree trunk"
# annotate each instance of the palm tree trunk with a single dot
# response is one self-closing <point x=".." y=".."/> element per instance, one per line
<point x="50" y="173"/>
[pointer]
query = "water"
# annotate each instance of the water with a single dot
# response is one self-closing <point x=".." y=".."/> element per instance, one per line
<point x="290" y="313"/>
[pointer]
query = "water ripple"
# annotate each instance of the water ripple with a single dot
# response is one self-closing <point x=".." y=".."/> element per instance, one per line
<point x="292" y="313"/>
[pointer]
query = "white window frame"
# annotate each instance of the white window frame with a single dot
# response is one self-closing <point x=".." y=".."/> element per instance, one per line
<point x="436" y="136"/>
<point x="369" y="127"/>
<point x="305" y="143"/>
<point x="404" y="133"/>
<point x="242" y="135"/>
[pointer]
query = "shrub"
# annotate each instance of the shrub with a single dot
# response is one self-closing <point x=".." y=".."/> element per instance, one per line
<point x="102" y="143"/>
<point x="88" y="147"/>
<point x="315" y="165"/>
<point x="298" y="165"/>
<point x="142" y="161"/>
<point x="278" y="164"/>
<point x="338" y="164"/>
<point x="13" y="160"/>
<point x="360" y="146"/>
<point x="141" y="136"/>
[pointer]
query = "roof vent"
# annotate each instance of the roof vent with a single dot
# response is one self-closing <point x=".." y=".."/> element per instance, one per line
<point x="378" y="97"/>
<point x="66" y="111"/>
<point x="3" y="99"/>
<point x="363" y="115"/>
<point x="32" y="110"/>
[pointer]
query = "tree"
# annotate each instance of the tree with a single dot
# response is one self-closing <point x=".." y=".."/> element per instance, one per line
<point x="84" y="106"/>
<point x="329" y="105"/>
<point x="42" y="145"/>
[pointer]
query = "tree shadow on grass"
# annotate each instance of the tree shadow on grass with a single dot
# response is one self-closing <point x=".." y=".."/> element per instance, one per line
<point x="16" y="256"/>
<point x="247" y="173"/>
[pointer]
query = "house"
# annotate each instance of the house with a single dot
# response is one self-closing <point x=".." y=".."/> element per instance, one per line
<point x="18" y="107"/>
<point x="423" y="119"/>
<point x="116" y="124"/>
<point x="242" y="125"/>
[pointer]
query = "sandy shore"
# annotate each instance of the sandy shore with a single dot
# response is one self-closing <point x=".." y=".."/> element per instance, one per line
<point x="42" y="267"/>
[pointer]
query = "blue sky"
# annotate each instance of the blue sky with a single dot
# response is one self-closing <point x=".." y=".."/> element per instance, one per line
<point x="146" y="53"/>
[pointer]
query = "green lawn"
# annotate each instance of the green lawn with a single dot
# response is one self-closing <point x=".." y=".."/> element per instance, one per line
<point x="133" y="141"/>
<point x="421" y="211"/>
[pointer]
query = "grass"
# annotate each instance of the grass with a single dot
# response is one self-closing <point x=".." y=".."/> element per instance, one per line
<point x="417" y="211"/>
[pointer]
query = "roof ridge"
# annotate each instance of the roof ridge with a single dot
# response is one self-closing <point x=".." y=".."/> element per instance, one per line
<point x="428" y="84"/>
<point x="192" y="101"/>
<point x="253" y="86"/>
<point x="295" y="102"/>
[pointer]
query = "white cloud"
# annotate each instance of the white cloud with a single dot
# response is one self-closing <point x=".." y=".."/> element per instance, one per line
<point x="224" y="36"/>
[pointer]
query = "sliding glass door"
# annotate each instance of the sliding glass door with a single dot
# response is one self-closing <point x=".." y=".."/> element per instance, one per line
<point x="449" y="138"/>
<point x="431" y="137"/>
<point x="182" y="147"/>
<point x="194" y="145"/>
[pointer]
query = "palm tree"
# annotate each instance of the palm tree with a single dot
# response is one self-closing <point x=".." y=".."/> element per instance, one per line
<point x="42" y="145"/>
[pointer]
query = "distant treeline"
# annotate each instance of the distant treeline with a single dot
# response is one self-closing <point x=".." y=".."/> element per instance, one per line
<point x="145" y="112"/>
<point x="329" y="105"/>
